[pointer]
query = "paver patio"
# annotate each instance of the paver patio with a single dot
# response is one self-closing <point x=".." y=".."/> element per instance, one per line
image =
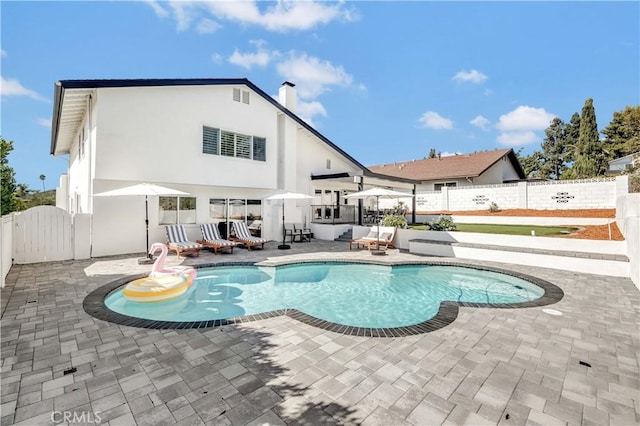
<point x="490" y="366"/>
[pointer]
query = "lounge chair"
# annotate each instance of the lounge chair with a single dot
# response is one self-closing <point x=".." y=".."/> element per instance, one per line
<point x="291" y="232"/>
<point x="213" y="240"/>
<point x="371" y="240"/>
<point x="243" y="236"/>
<point x="178" y="241"/>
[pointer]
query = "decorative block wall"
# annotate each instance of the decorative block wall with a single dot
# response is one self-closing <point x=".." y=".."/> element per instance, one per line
<point x="548" y="195"/>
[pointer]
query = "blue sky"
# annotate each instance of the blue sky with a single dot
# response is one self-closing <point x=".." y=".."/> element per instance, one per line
<point x="386" y="81"/>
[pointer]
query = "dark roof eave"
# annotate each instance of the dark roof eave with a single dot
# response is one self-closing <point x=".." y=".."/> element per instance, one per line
<point x="369" y="173"/>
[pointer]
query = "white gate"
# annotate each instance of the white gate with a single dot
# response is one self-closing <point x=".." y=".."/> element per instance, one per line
<point x="43" y="234"/>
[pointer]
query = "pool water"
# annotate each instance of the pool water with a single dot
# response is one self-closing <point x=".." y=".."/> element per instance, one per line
<point x="358" y="295"/>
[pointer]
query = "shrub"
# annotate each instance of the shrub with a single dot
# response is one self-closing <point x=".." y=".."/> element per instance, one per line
<point x="394" y="220"/>
<point x="443" y="223"/>
<point x="493" y="207"/>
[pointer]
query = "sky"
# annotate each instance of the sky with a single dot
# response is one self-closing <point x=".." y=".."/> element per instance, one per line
<point x="385" y="81"/>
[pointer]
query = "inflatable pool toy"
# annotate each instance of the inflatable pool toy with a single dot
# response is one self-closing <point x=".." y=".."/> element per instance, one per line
<point x="157" y="289"/>
<point x="164" y="283"/>
<point x="158" y="268"/>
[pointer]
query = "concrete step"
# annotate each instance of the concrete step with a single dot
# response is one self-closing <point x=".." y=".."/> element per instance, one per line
<point x="594" y="263"/>
<point x="345" y="236"/>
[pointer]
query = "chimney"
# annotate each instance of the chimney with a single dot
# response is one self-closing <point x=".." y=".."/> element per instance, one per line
<point x="287" y="96"/>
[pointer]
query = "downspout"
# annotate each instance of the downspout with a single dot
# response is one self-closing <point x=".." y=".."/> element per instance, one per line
<point x="90" y="186"/>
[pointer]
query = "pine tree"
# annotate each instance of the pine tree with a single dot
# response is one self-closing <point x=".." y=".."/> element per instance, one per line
<point x="572" y="132"/>
<point x="622" y="135"/>
<point x="7" y="178"/>
<point x="590" y="160"/>
<point x="554" y="148"/>
<point x="432" y="153"/>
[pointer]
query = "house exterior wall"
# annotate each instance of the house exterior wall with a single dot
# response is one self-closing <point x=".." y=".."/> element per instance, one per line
<point x="155" y="134"/>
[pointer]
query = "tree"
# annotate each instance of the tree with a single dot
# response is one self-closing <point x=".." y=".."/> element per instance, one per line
<point x="532" y="164"/>
<point x="432" y="153"/>
<point x="42" y="178"/>
<point x="572" y="132"/>
<point x="7" y="178"/>
<point x="622" y="135"/>
<point x="554" y="149"/>
<point x="590" y="158"/>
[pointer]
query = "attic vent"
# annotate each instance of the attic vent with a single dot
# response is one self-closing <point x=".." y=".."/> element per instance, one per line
<point x="241" y="95"/>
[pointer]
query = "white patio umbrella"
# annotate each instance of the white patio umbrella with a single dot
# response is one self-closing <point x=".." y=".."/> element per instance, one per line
<point x="286" y="196"/>
<point x="145" y="189"/>
<point x="378" y="192"/>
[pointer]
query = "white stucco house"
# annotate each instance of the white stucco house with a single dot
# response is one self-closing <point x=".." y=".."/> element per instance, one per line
<point x="225" y="142"/>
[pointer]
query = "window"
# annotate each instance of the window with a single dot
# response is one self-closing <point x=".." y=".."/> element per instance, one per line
<point x="229" y="144"/>
<point x="328" y="163"/>
<point x="210" y="140"/>
<point x="81" y="142"/>
<point x="259" y="149"/>
<point x="236" y="95"/>
<point x="438" y="186"/>
<point x="177" y="210"/>
<point x="245" y="97"/>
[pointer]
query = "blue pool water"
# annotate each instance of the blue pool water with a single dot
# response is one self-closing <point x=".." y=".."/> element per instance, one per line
<point x="357" y="295"/>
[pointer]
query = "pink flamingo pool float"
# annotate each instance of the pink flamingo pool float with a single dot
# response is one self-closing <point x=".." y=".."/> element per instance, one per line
<point x="163" y="283"/>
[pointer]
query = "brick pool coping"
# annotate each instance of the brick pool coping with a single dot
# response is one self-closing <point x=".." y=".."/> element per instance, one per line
<point x="94" y="305"/>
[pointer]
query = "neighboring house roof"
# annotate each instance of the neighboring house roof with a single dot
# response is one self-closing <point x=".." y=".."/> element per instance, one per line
<point x="449" y="167"/>
<point x="627" y="159"/>
<point x="69" y="108"/>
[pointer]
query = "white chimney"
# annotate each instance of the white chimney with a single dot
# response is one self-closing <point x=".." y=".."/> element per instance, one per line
<point x="287" y="96"/>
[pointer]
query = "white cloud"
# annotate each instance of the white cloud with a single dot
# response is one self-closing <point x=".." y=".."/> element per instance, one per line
<point x="518" y="127"/>
<point x="2" y="53"/>
<point x="261" y="57"/>
<point x="159" y="10"/>
<point x="473" y="76"/>
<point x="44" y="122"/>
<point x="217" y="58"/>
<point x="12" y="87"/>
<point x="311" y="75"/>
<point x="308" y="110"/>
<point x="207" y="26"/>
<point x="525" y="118"/>
<point x="281" y="16"/>
<point x="449" y="154"/>
<point x="481" y="122"/>
<point x="433" y="120"/>
<point x="518" y="138"/>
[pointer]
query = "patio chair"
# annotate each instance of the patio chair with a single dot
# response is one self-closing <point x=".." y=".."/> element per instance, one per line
<point x="178" y="241"/>
<point x="385" y="238"/>
<point x="291" y="232"/>
<point x="213" y="240"/>
<point x="305" y="233"/>
<point x="243" y="236"/>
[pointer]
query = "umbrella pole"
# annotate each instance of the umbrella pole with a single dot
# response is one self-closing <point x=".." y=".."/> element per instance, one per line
<point x="377" y="251"/>
<point x="148" y="258"/>
<point x="284" y="245"/>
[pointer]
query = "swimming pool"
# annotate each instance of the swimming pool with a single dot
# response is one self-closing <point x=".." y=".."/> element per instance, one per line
<point x="348" y="294"/>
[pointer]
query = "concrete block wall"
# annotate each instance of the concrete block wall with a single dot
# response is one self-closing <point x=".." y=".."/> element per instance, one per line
<point x="572" y="194"/>
<point x="598" y="193"/>
<point x="480" y="197"/>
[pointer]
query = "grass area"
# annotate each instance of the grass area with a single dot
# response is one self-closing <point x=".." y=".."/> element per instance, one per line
<point x="509" y="229"/>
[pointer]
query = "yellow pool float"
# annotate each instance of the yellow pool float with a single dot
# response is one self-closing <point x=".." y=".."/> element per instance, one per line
<point x="157" y="289"/>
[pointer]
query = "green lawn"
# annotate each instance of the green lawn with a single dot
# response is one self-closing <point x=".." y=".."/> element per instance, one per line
<point x="509" y="229"/>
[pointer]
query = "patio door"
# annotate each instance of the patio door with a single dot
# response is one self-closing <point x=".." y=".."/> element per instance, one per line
<point x="223" y="211"/>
